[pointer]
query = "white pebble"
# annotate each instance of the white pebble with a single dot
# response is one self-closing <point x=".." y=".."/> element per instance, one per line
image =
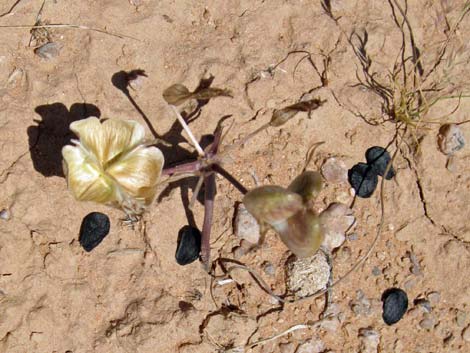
<point x="246" y="226"/>
<point x="334" y="171"/>
<point x="450" y="139"/>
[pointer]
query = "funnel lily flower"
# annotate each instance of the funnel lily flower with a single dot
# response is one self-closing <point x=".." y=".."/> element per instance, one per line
<point x="111" y="163"/>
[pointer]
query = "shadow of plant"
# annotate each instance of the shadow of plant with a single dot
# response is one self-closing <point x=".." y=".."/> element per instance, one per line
<point x="52" y="132"/>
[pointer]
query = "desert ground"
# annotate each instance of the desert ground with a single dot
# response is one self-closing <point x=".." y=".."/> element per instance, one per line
<point x="367" y="59"/>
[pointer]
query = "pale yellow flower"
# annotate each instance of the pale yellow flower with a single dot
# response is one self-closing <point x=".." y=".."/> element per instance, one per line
<point x="112" y="164"/>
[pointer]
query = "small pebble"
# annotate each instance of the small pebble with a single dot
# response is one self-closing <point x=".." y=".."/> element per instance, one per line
<point x="363" y="179"/>
<point x="48" y="51"/>
<point x="95" y="227"/>
<point x="370" y="340"/>
<point x="395" y="304"/>
<point x="460" y="318"/>
<point x="450" y="139"/>
<point x="409" y="284"/>
<point x="189" y="245"/>
<point x="424" y="304"/>
<point x="336" y="220"/>
<point x="376" y="271"/>
<point x="5" y="214"/>
<point x="268" y="268"/>
<point x="466" y="334"/>
<point x="378" y="158"/>
<point x="246" y="226"/>
<point x="434" y="297"/>
<point x="330" y="324"/>
<point x="427" y="323"/>
<point x="361" y="305"/>
<point x="334" y="171"/>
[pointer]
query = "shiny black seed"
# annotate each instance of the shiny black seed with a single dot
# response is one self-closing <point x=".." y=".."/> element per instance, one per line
<point x="363" y="178"/>
<point x="395" y="304"/>
<point x="95" y="227"/>
<point x="189" y="245"/>
<point x="378" y="158"/>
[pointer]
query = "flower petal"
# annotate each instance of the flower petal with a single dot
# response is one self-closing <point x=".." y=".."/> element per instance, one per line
<point x="138" y="171"/>
<point x="109" y="139"/>
<point x="85" y="179"/>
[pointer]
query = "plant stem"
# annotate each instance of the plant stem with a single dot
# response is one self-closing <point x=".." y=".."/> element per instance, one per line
<point x="248" y="137"/>
<point x="186" y="128"/>
<point x="217" y="168"/>
<point x="209" y="195"/>
<point x="183" y="168"/>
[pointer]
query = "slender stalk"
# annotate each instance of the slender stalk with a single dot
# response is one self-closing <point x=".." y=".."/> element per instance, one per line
<point x="186" y="128"/>
<point x="248" y="137"/>
<point x="200" y="181"/>
<point x="63" y="25"/>
<point x="183" y="168"/>
<point x="217" y="168"/>
<point x="209" y="195"/>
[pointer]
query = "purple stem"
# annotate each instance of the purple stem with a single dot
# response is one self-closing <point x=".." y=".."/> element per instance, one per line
<point x="183" y="168"/>
<point x="209" y="195"/>
<point x="217" y="137"/>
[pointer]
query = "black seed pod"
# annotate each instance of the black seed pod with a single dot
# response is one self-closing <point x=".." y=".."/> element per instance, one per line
<point x="189" y="245"/>
<point x="378" y="158"/>
<point x="95" y="227"/>
<point x="363" y="178"/>
<point x="395" y="304"/>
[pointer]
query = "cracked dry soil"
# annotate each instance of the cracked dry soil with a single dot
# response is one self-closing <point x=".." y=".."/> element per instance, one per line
<point x="128" y="294"/>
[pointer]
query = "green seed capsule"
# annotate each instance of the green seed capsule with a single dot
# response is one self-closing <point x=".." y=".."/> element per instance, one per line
<point x="302" y="233"/>
<point x="272" y="204"/>
<point x="308" y="185"/>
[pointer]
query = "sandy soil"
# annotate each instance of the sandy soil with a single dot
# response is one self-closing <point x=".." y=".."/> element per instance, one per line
<point x="129" y="294"/>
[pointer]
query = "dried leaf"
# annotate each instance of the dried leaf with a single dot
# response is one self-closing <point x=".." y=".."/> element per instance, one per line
<point x="308" y="185"/>
<point x="281" y="116"/>
<point x="176" y="94"/>
<point x="208" y="93"/>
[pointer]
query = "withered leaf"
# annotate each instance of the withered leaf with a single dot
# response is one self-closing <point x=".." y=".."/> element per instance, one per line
<point x="208" y="93"/>
<point x="176" y="94"/>
<point x="281" y="116"/>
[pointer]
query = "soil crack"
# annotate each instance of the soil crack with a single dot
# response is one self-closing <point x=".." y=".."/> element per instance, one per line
<point x="420" y="187"/>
